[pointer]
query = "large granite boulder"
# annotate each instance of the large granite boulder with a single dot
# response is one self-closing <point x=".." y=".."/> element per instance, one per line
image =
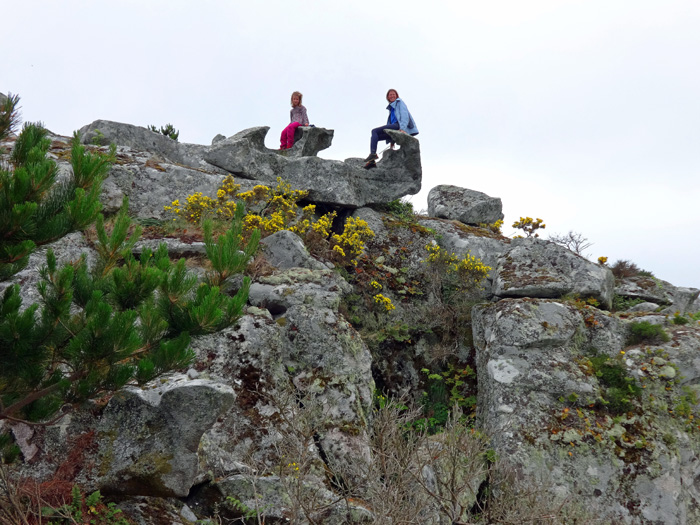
<point x="331" y="182"/>
<point x="3" y="98"/>
<point x="149" y="437"/>
<point x="537" y="268"/>
<point x="143" y="139"/>
<point x="464" y="205"/>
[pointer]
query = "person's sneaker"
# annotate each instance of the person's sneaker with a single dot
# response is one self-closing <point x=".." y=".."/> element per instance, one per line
<point x="372" y="156"/>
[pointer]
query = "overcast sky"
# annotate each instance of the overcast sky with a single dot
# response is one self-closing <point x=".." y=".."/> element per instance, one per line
<point x="583" y="113"/>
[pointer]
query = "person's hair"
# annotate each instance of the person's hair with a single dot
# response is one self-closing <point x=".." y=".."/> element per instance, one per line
<point x="387" y="94"/>
<point x="291" y="99"/>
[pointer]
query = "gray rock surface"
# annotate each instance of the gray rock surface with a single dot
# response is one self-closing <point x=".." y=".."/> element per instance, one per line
<point x="539" y="404"/>
<point x="143" y="139"/>
<point x="327" y="181"/>
<point x="650" y="289"/>
<point x="3" y="98"/>
<point x="464" y="205"/>
<point x="284" y="250"/>
<point x="537" y="268"/>
<point x="150" y="435"/>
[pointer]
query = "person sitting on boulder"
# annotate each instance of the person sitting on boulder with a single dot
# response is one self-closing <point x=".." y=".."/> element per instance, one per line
<point x="298" y="118"/>
<point x="399" y="118"/>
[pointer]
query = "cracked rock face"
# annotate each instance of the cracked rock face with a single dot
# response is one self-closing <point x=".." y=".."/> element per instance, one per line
<point x="331" y="182"/>
<point x="536" y="268"/>
<point x="150" y="435"/>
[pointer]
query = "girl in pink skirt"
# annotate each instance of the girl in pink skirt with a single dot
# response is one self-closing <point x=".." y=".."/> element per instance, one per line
<point x="298" y="118"/>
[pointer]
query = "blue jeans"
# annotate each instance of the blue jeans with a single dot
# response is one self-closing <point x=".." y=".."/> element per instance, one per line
<point x="379" y="134"/>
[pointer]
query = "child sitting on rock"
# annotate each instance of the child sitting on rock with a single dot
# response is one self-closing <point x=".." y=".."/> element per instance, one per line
<point x="298" y="118"/>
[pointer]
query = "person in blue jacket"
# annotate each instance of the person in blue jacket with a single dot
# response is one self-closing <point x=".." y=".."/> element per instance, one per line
<point x="399" y="119"/>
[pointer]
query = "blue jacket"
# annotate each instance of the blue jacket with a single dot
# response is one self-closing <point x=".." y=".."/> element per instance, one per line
<point x="403" y="116"/>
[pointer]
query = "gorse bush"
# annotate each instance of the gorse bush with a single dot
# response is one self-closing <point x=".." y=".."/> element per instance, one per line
<point x="529" y="226"/>
<point x="35" y="209"/>
<point x="277" y="209"/>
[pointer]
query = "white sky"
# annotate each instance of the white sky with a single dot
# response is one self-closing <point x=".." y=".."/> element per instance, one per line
<point x="583" y="113"/>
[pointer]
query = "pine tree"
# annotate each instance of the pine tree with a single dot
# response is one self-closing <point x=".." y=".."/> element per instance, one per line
<point x="35" y="209"/>
<point x="128" y="318"/>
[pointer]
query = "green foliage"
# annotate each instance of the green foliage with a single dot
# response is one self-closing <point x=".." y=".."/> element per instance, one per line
<point x="619" y="389"/>
<point x="168" y="130"/>
<point x="621" y="303"/>
<point x="401" y="209"/>
<point x="84" y="509"/>
<point x="225" y="256"/>
<point x="34" y="208"/>
<point x="679" y="319"/>
<point x="446" y="389"/>
<point x="9" y="116"/>
<point x="645" y="332"/>
<point x="127" y="318"/>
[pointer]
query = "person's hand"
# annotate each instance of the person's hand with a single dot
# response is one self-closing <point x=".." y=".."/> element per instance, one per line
<point x="402" y="131"/>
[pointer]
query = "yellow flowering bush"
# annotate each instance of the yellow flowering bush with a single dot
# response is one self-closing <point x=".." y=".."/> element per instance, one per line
<point x="276" y="209"/>
<point x="385" y="302"/>
<point x="468" y="271"/>
<point x="529" y="226"/>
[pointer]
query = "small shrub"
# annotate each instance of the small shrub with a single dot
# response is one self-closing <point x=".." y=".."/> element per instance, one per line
<point x="529" y="226"/>
<point x="621" y="303"/>
<point x="623" y="269"/>
<point x="679" y="319"/>
<point x="619" y="389"/>
<point x="168" y="130"/>
<point x="573" y="241"/>
<point x="645" y="332"/>
<point x="401" y="209"/>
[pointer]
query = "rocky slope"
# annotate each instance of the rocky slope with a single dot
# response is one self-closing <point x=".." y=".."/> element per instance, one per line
<point x="294" y="385"/>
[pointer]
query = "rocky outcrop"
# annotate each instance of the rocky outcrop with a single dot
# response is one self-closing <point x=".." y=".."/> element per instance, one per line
<point x="464" y="205"/>
<point x="661" y="293"/>
<point x="149" y="437"/>
<point x="330" y="182"/>
<point x="540" y="400"/>
<point x="285" y="249"/>
<point x="138" y="138"/>
<point x="537" y="268"/>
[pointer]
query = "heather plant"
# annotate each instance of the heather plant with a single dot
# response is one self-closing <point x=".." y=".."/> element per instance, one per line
<point x="35" y="209"/>
<point x="529" y="226"/>
<point x="127" y="319"/>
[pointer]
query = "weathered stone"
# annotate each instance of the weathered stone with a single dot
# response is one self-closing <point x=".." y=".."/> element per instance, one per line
<point x="651" y="289"/>
<point x="537" y="268"/>
<point x="3" y="98"/>
<point x="284" y="250"/>
<point x="149" y="436"/>
<point x="143" y="139"/>
<point x="464" y="205"/>
<point x="327" y="181"/>
<point x="639" y="470"/>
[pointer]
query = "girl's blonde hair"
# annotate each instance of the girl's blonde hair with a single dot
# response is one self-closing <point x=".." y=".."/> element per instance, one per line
<point x="298" y="94"/>
<point x="387" y="94"/>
